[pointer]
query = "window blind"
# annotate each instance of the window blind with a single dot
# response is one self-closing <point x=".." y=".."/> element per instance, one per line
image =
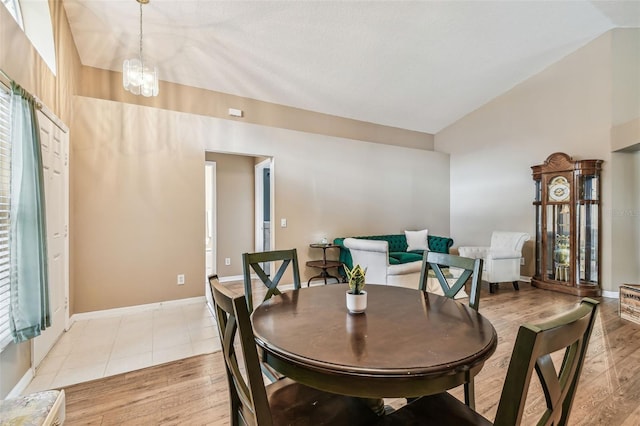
<point x="5" y="198"/>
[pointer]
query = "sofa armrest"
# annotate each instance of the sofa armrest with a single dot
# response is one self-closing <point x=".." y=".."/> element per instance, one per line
<point x="372" y="255"/>
<point x="366" y="245"/>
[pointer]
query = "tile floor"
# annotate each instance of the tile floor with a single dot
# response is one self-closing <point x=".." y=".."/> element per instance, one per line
<point x="102" y="347"/>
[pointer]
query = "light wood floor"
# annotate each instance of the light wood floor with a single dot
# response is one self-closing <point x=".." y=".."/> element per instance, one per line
<point x="194" y="391"/>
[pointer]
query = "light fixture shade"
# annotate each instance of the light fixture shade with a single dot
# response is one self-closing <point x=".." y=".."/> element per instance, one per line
<point x="139" y="79"/>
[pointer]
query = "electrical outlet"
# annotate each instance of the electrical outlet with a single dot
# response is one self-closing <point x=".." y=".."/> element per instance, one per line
<point x="522" y="260"/>
<point x="227" y="261"/>
<point x="180" y="279"/>
<point x="283" y="223"/>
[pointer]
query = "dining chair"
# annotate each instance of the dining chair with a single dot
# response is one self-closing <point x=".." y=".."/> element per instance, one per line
<point x="255" y="260"/>
<point x="468" y="269"/>
<point x="568" y="332"/>
<point x="280" y="403"/>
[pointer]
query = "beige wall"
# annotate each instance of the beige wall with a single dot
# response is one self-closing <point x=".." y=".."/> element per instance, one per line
<point x="140" y="203"/>
<point x="135" y="229"/>
<point x="625" y="133"/>
<point x="625" y="76"/>
<point x="625" y="161"/>
<point x="568" y="107"/>
<point x="235" y="196"/>
<point x="625" y="221"/>
<point x="102" y="84"/>
<point x="626" y="136"/>
<point x="330" y="187"/>
<point x="23" y="64"/>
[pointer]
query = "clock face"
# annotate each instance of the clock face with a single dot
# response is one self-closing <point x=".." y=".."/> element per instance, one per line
<point x="558" y="189"/>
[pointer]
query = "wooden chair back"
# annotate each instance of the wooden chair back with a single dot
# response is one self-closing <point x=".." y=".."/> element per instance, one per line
<point x="284" y="402"/>
<point x="570" y="332"/>
<point x="471" y="269"/>
<point x="532" y="351"/>
<point x="253" y="261"/>
<point x="248" y="397"/>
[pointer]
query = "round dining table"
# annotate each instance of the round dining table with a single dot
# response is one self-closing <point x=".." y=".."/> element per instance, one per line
<point x="407" y="343"/>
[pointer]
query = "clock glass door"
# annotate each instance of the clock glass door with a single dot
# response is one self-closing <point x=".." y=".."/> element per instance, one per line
<point x="588" y="239"/>
<point x="558" y="242"/>
<point x="588" y="220"/>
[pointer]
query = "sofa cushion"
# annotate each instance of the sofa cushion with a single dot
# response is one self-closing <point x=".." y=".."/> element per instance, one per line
<point x="417" y="240"/>
<point x="405" y="257"/>
<point x="439" y="244"/>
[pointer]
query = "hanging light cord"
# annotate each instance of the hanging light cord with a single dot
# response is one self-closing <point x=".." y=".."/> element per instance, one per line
<point x="141" y="57"/>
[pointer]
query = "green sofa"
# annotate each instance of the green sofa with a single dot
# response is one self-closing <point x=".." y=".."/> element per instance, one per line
<point x="398" y="253"/>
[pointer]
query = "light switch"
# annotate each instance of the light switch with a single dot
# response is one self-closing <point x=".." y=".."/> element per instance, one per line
<point x="283" y="223"/>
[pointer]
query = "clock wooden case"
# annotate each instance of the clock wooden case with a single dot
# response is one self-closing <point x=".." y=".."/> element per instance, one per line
<point x="567" y="205"/>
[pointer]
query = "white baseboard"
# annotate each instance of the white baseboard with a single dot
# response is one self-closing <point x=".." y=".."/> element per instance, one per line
<point x="22" y="384"/>
<point x="232" y="278"/>
<point x="134" y="309"/>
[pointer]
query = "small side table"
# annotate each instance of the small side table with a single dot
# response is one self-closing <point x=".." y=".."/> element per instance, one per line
<point x="323" y="264"/>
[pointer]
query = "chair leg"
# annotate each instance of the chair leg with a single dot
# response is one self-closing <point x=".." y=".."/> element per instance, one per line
<point x="515" y="285"/>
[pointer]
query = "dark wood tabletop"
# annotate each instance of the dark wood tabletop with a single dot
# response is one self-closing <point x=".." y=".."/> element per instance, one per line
<point x="407" y="343"/>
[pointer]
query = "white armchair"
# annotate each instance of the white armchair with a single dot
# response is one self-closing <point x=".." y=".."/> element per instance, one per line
<point x="501" y="259"/>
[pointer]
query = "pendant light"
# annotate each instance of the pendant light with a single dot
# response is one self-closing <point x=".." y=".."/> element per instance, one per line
<point x="138" y="76"/>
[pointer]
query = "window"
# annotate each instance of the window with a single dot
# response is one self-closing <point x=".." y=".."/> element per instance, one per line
<point x="39" y="28"/>
<point x="5" y="188"/>
<point x="14" y="10"/>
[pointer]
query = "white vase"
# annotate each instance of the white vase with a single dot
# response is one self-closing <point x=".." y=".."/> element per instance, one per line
<point x="356" y="303"/>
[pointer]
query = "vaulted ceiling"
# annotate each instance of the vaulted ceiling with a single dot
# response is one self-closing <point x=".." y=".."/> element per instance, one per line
<point x="418" y="65"/>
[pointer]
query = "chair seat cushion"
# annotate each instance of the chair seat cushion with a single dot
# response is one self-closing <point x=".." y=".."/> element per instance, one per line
<point x="295" y="404"/>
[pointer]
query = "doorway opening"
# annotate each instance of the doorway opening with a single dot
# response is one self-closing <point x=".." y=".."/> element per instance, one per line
<point x="263" y="207"/>
<point x="210" y="225"/>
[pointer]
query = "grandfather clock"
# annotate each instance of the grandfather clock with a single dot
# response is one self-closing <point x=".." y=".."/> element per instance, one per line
<point x="567" y="205"/>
